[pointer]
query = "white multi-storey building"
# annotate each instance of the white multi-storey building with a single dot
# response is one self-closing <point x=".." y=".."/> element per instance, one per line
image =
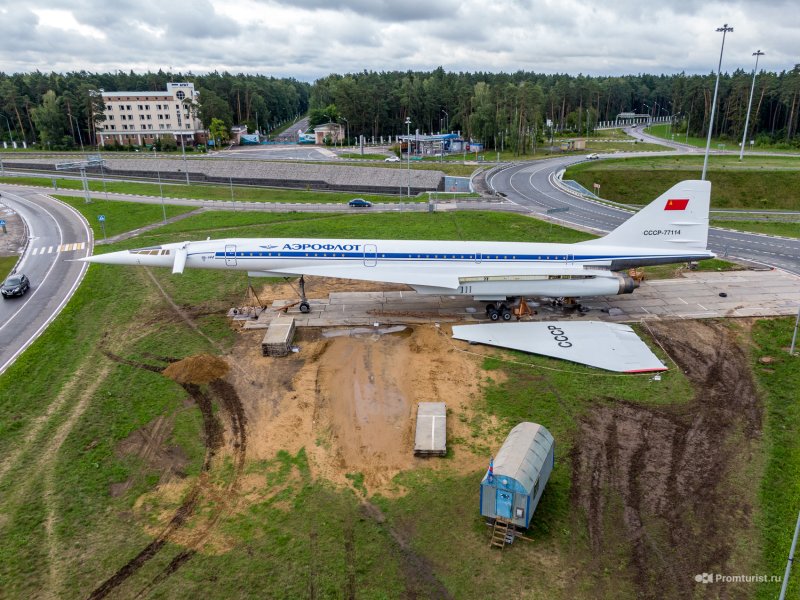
<point x="142" y="117"/>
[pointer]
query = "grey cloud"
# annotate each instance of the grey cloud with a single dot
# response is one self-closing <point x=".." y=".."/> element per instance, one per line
<point x="382" y="10"/>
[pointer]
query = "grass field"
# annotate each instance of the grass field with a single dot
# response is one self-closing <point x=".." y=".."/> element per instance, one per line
<point x="756" y="183"/>
<point x="6" y="264"/>
<point x="121" y="217"/>
<point x="789" y="229"/>
<point x="200" y="192"/>
<point x="68" y="405"/>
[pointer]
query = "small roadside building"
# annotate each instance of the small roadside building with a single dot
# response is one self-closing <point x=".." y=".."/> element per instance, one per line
<point x="514" y="483"/>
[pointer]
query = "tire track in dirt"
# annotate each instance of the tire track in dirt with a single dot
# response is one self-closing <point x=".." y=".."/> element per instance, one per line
<point x="39" y="422"/>
<point x="47" y="462"/>
<point x="663" y="470"/>
<point x="223" y="500"/>
<point x="420" y="579"/>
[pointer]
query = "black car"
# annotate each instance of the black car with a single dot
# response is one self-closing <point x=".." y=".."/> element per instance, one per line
<point x="15" y="285"/>
<point x="360" y="203"/>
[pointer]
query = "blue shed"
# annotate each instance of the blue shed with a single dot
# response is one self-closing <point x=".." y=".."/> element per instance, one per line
<point x="511" y="489"/>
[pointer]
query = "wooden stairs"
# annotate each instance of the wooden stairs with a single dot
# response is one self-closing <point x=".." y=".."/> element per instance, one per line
<point x="502" y="533"/>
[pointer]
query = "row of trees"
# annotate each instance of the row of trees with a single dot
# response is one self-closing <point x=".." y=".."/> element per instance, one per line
<point x="62" y="110"/>
<point x="507" y="109"/>
<point x="500" y="109"/>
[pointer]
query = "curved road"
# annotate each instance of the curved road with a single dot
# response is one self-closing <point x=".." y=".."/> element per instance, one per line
<point x="532" y="186"/>
<point x="56" y="234"/>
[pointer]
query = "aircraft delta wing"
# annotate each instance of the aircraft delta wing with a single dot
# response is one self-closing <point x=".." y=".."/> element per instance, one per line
<point x="673" y="228"/>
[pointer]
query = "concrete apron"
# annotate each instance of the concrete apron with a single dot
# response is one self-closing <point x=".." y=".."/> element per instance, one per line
<point x="696" y="295"/>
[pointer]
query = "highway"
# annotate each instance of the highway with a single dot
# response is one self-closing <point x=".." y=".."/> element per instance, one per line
<point x="534" y="186"/>
<point x="56" y="233"/>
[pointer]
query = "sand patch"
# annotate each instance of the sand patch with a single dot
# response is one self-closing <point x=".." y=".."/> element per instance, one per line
<point x="202" y="368"/>
<point x="351" y="401"/>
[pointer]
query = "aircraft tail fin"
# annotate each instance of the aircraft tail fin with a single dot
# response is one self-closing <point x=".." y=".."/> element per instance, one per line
<point x="678" y="218"/>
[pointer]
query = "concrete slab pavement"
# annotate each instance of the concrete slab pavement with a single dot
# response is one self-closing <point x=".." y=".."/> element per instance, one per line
<point x="694" y="295"/>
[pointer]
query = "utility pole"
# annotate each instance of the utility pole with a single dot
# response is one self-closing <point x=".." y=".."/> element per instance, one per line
<point x="757" y="53"/>
<point x="724" y="29"/>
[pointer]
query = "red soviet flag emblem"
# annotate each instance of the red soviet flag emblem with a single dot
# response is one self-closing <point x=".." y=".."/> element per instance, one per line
<point x="676" y="204"/>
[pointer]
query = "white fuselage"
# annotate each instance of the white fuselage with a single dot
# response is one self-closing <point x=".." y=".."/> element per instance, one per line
<point x="486" y="270"/>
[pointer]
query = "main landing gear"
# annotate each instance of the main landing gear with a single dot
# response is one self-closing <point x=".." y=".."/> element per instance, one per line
<point x="497" y="311"/>
<point x="505" y="311"/>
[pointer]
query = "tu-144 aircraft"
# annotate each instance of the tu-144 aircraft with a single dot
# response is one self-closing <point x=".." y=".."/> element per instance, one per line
<point x="672" y="228"/>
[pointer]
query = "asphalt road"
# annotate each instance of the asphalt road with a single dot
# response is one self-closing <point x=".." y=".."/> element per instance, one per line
<point x="56" y="234"/>
<point x="532" y="186"/>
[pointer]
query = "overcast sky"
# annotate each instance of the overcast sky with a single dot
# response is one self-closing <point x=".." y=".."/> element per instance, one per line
<point x="308" y="39"/>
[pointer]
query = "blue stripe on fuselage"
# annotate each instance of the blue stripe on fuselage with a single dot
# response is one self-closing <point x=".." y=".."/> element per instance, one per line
<point x="418" y="256"/>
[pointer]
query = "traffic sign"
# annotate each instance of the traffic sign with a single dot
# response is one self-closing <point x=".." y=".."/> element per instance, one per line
<point x="2" y="222"/>
<point x="101" y="218"/>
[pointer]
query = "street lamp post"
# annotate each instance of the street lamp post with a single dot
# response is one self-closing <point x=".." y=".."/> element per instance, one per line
<point x="446" y="121"/>
<point x="408" y="152"/>
<point x="160" y="187"/>
<point x="724" y="29"/>
<point x="183" y="153"/>
<point x="757" y="53"/>
<point x="78" y="125"/>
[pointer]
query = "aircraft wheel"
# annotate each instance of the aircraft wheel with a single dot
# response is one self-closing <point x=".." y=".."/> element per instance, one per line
<point x="304" y="307"/>
<point x="494" y="315"/>
<point x="506" y="315"/>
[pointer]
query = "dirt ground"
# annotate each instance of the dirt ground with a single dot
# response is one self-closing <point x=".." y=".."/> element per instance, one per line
<point x="661" y="483"/>
<point x="351" y="401"/>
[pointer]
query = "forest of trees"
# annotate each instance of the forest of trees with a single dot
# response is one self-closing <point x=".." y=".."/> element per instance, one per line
<point x="49" y="108"/>
<point x="495" y="108"/>
<point x="507" y="108"/>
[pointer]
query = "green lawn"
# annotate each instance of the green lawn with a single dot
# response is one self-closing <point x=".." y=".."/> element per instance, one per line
<point x="121" y="217"/>
<point x="6" y="264"/>
<point x="201" y="192"/>
<point x="769" y="228"/>
<point x="778" y="374"/>
<point x="756" y="183"/>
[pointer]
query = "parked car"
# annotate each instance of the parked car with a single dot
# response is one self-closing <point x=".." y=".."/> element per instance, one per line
<point x="360" y="203"/>
<point x="593" y="156"/>
<point x="392" y="159"/>
<point x="15" y="285"/>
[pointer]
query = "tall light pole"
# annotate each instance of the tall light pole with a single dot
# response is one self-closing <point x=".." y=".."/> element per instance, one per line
<point x="408" y="152"/>
<point x="160" y="187"/>
<point x="757" y="53"/>
<point x="183" y="153"/>
<point x="724" y="29"/>
<point x="8" y="124"/>
<point x="446" y="121"/>
<point x="78" y="125"/>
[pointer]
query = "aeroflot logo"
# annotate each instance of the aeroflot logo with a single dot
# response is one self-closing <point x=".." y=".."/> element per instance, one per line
<point x="335" y="247"/>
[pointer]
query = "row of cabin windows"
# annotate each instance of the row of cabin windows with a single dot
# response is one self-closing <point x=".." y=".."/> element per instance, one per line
<point x="420" y="256"/>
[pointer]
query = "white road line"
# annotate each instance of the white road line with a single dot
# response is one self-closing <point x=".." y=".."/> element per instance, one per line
<point x="682" y="300"/>
<point x="69" y="294"/>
